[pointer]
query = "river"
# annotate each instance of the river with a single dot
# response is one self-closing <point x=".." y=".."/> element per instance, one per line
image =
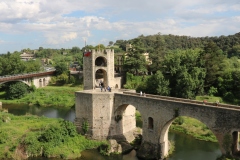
<point x="186" y="147"/>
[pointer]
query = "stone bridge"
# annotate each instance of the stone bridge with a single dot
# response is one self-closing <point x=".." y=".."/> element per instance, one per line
<point x="39" y="79"/>
<point x="112" y="114"/>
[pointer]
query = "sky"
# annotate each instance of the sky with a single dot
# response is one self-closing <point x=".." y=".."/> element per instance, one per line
<point x="65" y="24"/>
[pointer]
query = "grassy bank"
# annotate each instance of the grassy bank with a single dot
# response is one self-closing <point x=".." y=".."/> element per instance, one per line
<point x="193" y="128"/>
<point x="23" y="136"/>
<point x="58" y="96"/>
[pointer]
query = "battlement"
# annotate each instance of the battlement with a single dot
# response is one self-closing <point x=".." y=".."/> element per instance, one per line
<point x="102" y="51"/>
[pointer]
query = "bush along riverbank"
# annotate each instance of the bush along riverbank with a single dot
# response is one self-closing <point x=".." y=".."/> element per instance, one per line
<point x="57" y="96"/>
<point x="32" y="136"/>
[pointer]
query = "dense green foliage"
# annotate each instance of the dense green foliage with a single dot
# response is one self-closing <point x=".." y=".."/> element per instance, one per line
<point x="189" y="73"/>
<point x="189" y="66"/>
<point x="40" y="136"/>
<point x="12" y="64"/>
<point x="160" y="43"/>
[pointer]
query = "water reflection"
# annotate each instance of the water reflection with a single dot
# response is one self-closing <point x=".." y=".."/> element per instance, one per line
<point x="94" y="154"/>
<point x="51" y="112"/>
<point x="188" y="148"/>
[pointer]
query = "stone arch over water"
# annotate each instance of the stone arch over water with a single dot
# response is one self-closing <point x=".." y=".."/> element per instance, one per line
<point x="125" y="119"/>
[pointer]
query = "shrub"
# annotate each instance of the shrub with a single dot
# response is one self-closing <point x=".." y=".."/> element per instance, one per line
<point x="32" y="88"/>
<point x="71" y="79"/>
<point x="179" y="120"/>
<point x="104" y="149"/>
<point x="85" y="126"/>
<point x="53" y="80"/>
<point x="16" y="90"/>
<point x="33" y="146"/>
<point x="69" y="127"/>
<point x="212" y="91"/>
<point x="3" y="137"/>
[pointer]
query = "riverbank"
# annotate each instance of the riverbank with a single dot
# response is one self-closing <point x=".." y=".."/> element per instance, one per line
<point x="194" y="128"/>
<point x="32" y="136"/>
<point x="58" y="96"/>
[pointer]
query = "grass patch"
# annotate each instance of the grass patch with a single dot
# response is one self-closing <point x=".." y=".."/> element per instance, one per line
<point x="209" y="98"/>
<point x="57" y="96"/>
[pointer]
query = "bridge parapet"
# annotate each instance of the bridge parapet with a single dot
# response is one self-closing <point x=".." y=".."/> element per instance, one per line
<point x="27" y="75"/>
<point x="220" y="105"/>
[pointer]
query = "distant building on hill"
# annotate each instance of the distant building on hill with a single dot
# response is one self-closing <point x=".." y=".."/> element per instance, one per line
<point x="26" y="56"/>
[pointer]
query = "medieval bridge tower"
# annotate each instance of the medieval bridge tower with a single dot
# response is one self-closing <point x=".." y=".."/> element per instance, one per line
<point x="99" y="66"/>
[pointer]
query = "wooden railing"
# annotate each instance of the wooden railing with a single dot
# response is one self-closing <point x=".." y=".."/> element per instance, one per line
<point x="182" y="100"/>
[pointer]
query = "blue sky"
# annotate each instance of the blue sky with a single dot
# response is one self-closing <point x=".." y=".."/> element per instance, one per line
<point x="66" y="23"/>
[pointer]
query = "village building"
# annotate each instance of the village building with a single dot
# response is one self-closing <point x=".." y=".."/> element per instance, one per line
<point x="26" y="56"/>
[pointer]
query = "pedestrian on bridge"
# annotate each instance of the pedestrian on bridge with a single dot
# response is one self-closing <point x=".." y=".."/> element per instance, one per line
<point x="102" y="86"/>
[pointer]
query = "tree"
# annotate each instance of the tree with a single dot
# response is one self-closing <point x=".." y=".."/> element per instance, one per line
<point x="157" y="84"/>
<point x="235" y="51"/>
<point x="110" y="43"/>
<point x="61" y="68"/>
<point x="186" y="77"/>
<point x="158" y="53"/>
<point x="135" y="62"/>
<point x="16" y="90"/>
<point x="99" y="47"/>
<point x="212" y="57"/>
<point x="75" y="50"/>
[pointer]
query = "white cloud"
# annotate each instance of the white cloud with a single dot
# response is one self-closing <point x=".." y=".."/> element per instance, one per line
<point x="60" y="38"/>
<point x="63" y="21"/>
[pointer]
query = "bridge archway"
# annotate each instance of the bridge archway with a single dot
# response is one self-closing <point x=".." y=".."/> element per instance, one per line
<point x="124" y="115"/>
<point x="44" y="82"/>
<point x="101" y="76"/>
<point x="40" y="83"/>
<point x="198" y="126"/>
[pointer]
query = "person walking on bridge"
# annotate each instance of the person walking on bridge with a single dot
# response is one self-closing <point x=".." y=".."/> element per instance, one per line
<point x="102" y="86"/>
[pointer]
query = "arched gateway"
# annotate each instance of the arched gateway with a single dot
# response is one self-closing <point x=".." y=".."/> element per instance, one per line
<point x="112" y="114"/>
